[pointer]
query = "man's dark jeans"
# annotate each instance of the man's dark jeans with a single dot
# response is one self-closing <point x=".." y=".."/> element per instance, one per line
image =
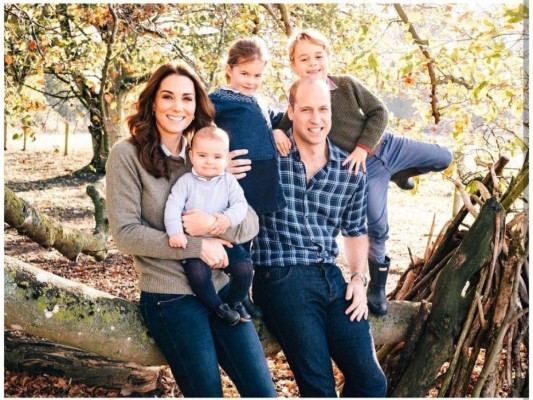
<point x="195" y="342"/>
<point x="304" y="306"/>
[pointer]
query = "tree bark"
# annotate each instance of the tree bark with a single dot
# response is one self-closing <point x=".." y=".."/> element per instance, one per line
<point x="49" y="232"/>
<point x="44" y="357"/>
<point x="449" y="305"/>
<point x="46" y="305"/>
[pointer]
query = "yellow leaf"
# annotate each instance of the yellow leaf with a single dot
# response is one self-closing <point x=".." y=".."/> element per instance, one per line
<point x="448" y="172"/>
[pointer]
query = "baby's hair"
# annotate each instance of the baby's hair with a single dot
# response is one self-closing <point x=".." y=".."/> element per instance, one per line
<point x="309" y="35"/>
<point x="211" y="133"/>
<point x="245" y="50"/>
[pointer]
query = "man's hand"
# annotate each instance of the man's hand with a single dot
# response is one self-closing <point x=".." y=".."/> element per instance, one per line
<point x="238" y="167"/>
<point x="356" y="159"/>
<point x="178" y="240"/>
<point x="357" y="293"/>
<point x="283" y="144"/>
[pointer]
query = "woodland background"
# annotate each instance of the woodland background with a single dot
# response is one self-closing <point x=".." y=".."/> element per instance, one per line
<point x="452" y="74"/>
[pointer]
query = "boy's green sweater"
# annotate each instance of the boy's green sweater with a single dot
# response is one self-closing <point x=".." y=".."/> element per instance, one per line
<point x="358" y="116"/>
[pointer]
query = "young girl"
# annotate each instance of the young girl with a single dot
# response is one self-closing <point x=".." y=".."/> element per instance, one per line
<point x="241" y="113"/>
<point x="359" y="119"/>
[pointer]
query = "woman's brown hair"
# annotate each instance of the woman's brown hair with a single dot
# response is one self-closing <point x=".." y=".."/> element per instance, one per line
<point x="142" y="125"/>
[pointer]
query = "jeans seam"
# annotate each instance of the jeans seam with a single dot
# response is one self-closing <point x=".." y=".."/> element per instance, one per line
<point x="175" y="349"/>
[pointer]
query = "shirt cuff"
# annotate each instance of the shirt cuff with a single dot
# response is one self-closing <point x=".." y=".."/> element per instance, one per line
<point x="366" y="148"/>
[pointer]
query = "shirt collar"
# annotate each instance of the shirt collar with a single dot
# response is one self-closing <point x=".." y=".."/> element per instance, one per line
<point x="183" y="152"/>
<point x="254" y="95"/>
<point x="331" y="84"/>
<point x="193" y="171"/>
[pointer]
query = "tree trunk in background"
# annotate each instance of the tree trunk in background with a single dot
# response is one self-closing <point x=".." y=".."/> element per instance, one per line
<point x="49" y="232"/>
<point x="115" y="127"/>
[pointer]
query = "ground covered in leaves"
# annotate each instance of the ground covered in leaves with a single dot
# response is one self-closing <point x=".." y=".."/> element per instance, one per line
<point x="45" y="179"/>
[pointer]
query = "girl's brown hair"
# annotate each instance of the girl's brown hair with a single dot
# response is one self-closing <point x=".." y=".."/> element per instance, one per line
<point x="245" y="50"/>
<point x="142" y="124"/>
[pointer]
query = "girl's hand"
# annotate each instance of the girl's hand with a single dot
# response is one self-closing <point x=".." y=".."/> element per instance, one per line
<point x="214" y="254"/>
<point x="238" y="167"/>
<point x="196" y="222"/>
<point x="283" y="144"/>
<point x="356" y="159"/>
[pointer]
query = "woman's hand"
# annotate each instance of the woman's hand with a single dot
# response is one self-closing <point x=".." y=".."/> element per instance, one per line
<point x="283" y="144"/>
<point x="356" y="159"/>
<point x="196" y="222"/>
<point x="214" y="254"/>
<point x="238" y="167"/>
<point x="221" y="225"/>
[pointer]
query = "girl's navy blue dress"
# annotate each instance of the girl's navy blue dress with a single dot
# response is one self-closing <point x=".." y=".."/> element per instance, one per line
<point x="249" y="124"/>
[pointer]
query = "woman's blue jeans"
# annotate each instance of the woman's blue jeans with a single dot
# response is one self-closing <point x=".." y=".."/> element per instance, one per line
<point x="194" y="343"/>
<point x="395" y="154"/>
<point x="304" y="306"/>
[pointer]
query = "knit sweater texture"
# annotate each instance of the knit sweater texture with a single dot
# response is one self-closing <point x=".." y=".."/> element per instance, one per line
<point x="218" y="195"/>
<point x="358" y="117"/>
<point x="135" y="206"/>
<point x="248" y="121"/>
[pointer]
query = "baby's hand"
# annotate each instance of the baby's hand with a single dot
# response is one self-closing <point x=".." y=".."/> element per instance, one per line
<point x="178" y="240"/>
<point x="283" y="144"/>
<point x="221" y="225"/>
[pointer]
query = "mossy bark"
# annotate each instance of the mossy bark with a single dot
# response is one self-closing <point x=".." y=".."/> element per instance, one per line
<point x="46" y="305"/>
<point x="450" y="304"/>
<point x="49" y="232"/>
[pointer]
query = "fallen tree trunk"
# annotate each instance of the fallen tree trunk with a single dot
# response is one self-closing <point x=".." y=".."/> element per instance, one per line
<point x="44" y="357"/>
<point x="48" y="232"/>
<point x="46" y="305"/>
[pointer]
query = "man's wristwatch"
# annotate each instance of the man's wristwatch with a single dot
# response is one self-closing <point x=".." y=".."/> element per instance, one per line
<point x="361" y="276"/>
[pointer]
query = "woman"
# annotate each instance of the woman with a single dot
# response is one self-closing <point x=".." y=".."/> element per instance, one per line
<point x="140" y="174"/>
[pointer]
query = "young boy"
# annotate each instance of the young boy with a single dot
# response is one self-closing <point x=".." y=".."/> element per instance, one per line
<point x="210" y="189"/>
<point x="359" y="119"/>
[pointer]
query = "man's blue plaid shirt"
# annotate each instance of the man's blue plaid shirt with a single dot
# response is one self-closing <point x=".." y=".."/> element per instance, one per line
<point x="304" y="233"/>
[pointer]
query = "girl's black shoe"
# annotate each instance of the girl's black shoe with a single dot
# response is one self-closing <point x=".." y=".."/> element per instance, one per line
<point x="244" y="316"/>
<point x="232" y="317"/>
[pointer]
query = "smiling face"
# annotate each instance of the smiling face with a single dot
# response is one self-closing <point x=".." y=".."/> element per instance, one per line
<point x="246" y="77"/>
<point x="310" y="60"/>
<point x="209" y="154"/>
<point x="174" y="106"/>
<point x="310" y="112"/>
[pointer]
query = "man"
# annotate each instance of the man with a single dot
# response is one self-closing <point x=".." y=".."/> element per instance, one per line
<point x="306" y="302"/>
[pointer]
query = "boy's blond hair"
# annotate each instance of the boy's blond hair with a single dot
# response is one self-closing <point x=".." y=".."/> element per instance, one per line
<point x="212" y="133"/>
<point x="309" y="35"/>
